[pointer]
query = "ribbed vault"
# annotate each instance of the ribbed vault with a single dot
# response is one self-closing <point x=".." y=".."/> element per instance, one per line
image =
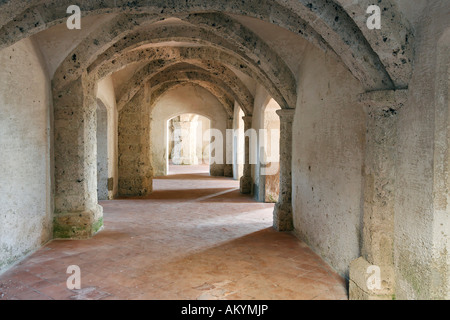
<point x="210" y="72"/>
<point x="335" y="26"/>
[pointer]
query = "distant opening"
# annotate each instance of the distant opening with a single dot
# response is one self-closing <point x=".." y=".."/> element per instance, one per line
<point x="270" y="158"/>
<point x="238" y="144"/>
<point x="188" y="144"/>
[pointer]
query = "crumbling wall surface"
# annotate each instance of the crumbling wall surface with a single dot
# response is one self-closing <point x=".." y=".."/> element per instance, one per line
<point x="26" y="204"/>
<point x="422" y="223"/>
<point x="328" y="152"/>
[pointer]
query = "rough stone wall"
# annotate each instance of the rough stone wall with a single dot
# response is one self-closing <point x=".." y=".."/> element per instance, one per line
<point x="421" y="212"/>
<point x="135" y="170"/>
<point x="26" y="206"/>
<point x="328" y="151"/>
<point x="181" y="100"/>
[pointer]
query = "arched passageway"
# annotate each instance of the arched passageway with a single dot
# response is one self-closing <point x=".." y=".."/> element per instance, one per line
<point x="335" y="89"/>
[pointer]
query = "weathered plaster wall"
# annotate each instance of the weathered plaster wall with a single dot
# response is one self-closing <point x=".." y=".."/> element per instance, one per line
<point x="422" y="213"/>
<point x="26" y="206"/>
<point x="177" y="101"/>
<point x="328" y="149"/>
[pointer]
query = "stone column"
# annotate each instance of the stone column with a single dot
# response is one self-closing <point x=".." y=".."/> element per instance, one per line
<point x="135" y="169"/>
<point x="246" y="180"/>
<point x="382" y="108"/>
<point x="282" y="215"/>
<point x="77" y="213"/>
<point x="228" y="167"/>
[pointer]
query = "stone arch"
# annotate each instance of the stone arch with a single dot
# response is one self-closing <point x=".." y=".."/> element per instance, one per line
<point x="256" y="53"/>
<point x="273" y="74"/>
<point x="222" y="77"/>
<point x="222" y="96"/>
<point x="203" y="57"/>
<point x="317" y="22"/>
<point x="314" y="22"/>
<point x="393" y="43"/>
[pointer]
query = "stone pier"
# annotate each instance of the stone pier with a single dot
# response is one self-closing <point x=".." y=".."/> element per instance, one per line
<point x="246" y="179"/>
<point x="77" y="213"/>
<point x="382" y="109"/>
<point x="282" y="215"/>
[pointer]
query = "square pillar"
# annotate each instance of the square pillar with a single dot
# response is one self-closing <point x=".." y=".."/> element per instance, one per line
<point x="282" y="215"/>
<point x="228" y="167"/>
<point x="382" y="108"/>
<point x="135" y="170"/>
<point x="247" y="180"/>
<point x="77" y="213"/>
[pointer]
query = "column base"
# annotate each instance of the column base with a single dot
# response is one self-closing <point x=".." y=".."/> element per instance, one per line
<point x="359" y="276"/>
<point x="228" y="170"/>
<point x="136" y="187"/>
<point x="216" y="170"/>
<point x="78" y="225"/>
<point x="246" y="185"/>
<point x="282" y="217"/>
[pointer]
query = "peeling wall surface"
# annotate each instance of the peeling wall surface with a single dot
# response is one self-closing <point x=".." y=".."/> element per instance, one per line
<point x="26" y="207"/>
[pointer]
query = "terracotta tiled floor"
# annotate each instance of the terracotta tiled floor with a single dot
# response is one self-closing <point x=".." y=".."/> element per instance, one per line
<point x="195" y="237"/>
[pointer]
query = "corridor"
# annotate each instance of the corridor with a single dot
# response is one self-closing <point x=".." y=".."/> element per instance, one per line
<point x="195" y="237"/>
